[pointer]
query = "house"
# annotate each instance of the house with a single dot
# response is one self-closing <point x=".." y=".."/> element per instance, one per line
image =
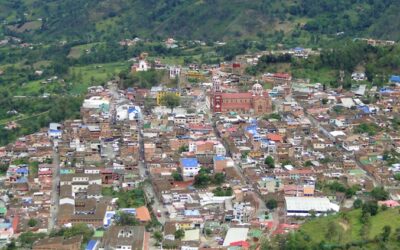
<point x="190" y="167"/>
<point x="143" y="214"/>
<point x="125" y="238"/>
<point x="394" y="79"/>
<point x="59" y="243"/>
<point x="303" y="206"/>
<point x="141" y="66"/>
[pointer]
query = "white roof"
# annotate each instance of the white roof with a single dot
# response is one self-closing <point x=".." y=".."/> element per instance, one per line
<point x="192" y="235"/>
<point x="347" y="102"/>
<point x="337" y="133"/>
<point x="319" y="204"/>
<point x="234" y="235"/>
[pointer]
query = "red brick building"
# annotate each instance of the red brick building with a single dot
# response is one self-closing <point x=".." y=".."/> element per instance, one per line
<point x="255" y="102"/>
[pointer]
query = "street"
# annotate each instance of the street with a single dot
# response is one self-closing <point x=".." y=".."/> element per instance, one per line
<point x="54" y="191"/>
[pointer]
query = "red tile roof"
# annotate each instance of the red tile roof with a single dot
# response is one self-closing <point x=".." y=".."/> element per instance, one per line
<point x="274" y="137"/>
<point x="237" y="95"/>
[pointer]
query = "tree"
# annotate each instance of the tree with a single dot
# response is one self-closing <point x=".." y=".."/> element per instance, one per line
<point x="270" y="162"/>
<point x="26" y="239"/>
<point x="332" y="231"/>
<point x="183" y="148"/>
<point x="170" y="100"/>
<point x="177" y="176"/>
<point x="272" y="204"/>
<point x="324" y="101"/>
<point x="32" y="222"/>
<point x="202" y="179"/>
<point x="179" y="234"/>
<point x="219" y="178"/>
<point x="125" y="219"/>
<point x="370" y="207"/>
<point x="208" y="232"/>
<point x="77" y="229"/>
<point x="379" y="194"/>
<point x="386" y="233"/>
<point x="357" y="203"/>
<point x="157" y="235"/>
<point x="398" y="234"/>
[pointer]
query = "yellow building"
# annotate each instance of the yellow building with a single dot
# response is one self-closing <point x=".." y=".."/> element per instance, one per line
<point x="195" y="74"/>
<point x="161" y="94"/>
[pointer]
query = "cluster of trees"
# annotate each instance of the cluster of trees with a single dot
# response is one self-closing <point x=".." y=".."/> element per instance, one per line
<point x="339" y="187"/>
<point x="42" y="112"/>
<point x="145" y="79"/>
<point x="131" y="198"/>
<point x="205" y="178"/>
<point x="266" y="60"/>
<point x="219" y="191"/>
<point x="26" y="239"/>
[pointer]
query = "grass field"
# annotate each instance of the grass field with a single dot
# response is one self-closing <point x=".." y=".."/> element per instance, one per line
<point x="33" y="25"/>
<point x="349" y="226"/>
<point x="95" y="74"/>
<point x="78" y="51"/>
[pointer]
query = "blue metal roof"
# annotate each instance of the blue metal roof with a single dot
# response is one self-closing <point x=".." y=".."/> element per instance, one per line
<point x="395" y="78"/>
<point x="364" y="109"/>
<point x="219" y="158"/>
<point x="192" y="213"/>
<point x="91" y="245"/>
<point x="22" y="171"/>
<point x="189" y="162"/>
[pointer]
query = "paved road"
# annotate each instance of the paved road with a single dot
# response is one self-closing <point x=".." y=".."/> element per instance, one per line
<point x="54" y="191"/>
<point x="148" y="188"/>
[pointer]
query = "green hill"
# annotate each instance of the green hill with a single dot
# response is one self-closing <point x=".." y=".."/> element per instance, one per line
<point x="198" y="19"/>
<point x="346" y="230"/>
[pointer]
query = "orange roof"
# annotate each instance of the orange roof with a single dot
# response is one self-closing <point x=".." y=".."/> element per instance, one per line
<point x="241" y="95"/>
<point x="143" y="214"/>
<point x="274" y="137"/>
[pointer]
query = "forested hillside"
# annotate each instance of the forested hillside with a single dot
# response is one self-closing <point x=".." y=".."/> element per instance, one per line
<point x="198" y="19"/>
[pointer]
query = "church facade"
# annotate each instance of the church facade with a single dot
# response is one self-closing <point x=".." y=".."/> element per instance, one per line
<point x="256" y="102"/>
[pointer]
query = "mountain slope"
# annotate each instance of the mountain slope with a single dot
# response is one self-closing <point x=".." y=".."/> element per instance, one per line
<point x="199" y="19"/>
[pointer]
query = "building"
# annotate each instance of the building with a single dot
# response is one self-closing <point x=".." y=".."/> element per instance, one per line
<point x="304" y="206"/>
<point x="161" y="94"/>
<point x="58" y="243"/>
<point x="125" y="238"/>
<point x="190" y="167"/>
<point x="278" y="78"/>
<point x="255" y="102"/>
<point x="235" y="235"/>
<point x="174" y="72"/>
<point x="141" y="66"/>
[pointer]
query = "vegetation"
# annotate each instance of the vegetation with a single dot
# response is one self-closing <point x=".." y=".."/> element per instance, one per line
<point x="131" y="198"/>
<point x="204" y="178"/>
<point x="369" y="128"/>
<point x="379" y="194"/>
<point x="223" y="192"/>
<point x="26" y="239"/>
<point x="126" y="199"/>
<point x="77" y="229"/>
<point x="272" y="204"/>
<point x="343" y="231"/>
<point x="170" y="100"/>
<point x="177" y="176"/>
<point x="270" y="162"/>
<point x="93" y="20"/>
<point x="179" y="234"/>
<point x="32" y="222"/>
<point x="126" y="219"/>
<point x="339" y="187"/>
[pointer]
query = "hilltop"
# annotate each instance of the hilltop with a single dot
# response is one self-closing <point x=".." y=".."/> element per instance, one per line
<point x="199" y="19"/>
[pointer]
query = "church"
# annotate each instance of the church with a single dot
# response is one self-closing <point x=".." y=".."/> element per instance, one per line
<point x="256" y="102"/>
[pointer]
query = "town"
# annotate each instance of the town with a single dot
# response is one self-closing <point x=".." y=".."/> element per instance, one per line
<point x="219" y="160"/>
